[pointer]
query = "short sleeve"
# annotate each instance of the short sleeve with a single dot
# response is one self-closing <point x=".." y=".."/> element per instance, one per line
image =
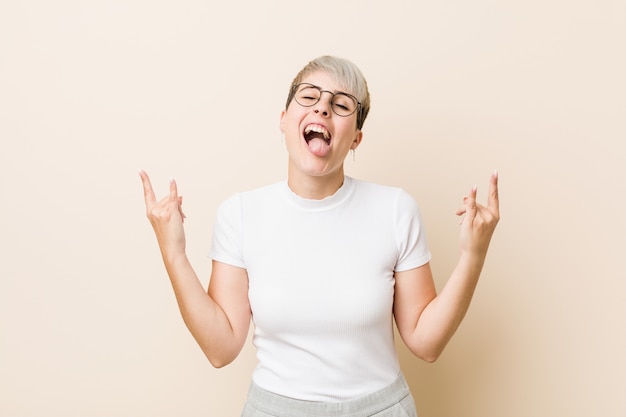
<point x="410" y="234"/>
<point x="226" y="246"/>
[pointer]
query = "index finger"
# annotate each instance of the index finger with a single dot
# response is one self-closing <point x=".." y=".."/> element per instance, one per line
<point x="148" y="193"/>
<point x="493" y="200"/>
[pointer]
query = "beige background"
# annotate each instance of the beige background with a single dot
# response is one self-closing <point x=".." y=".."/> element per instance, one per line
<point x="92" y="90"/>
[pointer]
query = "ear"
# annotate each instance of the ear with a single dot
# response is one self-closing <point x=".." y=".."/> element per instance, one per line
<point x="357" y="140"/>
<point x="282" y="121"/>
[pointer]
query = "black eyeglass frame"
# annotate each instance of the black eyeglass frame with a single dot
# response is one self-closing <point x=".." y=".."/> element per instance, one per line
<point x="295" y="95"/>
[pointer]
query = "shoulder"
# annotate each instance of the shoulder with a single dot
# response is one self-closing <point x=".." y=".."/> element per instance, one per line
<point x="237" y="201"/>
<point x="263" y="192"/>
<point x="383" y="194"/>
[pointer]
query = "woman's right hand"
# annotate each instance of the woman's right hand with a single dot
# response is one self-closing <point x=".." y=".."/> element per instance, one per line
<point x="166" y="217"/>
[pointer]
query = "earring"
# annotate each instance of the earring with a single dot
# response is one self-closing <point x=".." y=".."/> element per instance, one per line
<point x="353" y="155"/>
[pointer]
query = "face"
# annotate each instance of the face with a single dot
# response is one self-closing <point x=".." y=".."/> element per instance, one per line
<point x="318" y="139"/>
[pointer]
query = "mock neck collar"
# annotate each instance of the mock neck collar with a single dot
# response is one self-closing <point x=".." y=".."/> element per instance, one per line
<point x="326" y="203"/>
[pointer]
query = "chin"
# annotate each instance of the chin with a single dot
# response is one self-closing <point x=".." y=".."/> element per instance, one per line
<point x="320" y="170"/>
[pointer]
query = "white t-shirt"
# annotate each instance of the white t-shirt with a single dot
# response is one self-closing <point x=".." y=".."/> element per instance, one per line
<point x="321" y="283"/>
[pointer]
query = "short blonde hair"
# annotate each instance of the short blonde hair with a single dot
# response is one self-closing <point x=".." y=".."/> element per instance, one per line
<point x="346" y="73"/>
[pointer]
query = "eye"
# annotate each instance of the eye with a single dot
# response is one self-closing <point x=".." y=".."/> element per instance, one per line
<point x="343" y="104"/>
<point x="307" y="96"/>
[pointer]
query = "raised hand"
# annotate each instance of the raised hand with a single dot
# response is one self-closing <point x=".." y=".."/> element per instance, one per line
<point x="166" y="216"/>
<point x="480" y="221"/>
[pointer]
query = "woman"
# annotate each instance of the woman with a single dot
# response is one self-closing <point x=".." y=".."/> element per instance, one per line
<point x="323" y="263"/>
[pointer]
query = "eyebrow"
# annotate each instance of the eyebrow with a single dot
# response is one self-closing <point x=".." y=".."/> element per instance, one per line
<point x="334" y="92"/>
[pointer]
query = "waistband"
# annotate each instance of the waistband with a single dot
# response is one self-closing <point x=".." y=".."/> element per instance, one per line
<point x="370" y="404"/>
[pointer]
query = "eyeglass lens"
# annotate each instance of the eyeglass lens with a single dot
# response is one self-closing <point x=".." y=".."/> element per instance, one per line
<point x="341" y="103"/>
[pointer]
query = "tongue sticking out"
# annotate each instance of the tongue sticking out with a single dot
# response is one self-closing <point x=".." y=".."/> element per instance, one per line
<point x="319" y="146"/>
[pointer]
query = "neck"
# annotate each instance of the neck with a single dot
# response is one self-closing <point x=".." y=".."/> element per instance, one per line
<point x="315" y="187"/>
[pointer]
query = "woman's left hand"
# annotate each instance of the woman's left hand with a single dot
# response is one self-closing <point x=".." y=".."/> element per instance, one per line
<point x="480" y="221"/>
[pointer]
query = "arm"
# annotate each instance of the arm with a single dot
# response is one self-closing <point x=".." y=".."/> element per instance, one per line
<point x="427" y="321"/>
<point x="218" y="319"/>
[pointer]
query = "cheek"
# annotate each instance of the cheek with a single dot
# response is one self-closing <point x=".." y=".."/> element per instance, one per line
<point x="291" y="122"/>
<point x="285" y="118"/>
<point x="349" y="132"/>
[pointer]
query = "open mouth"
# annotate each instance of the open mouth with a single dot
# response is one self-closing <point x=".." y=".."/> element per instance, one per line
<point x="318" y="139"/>
<point x="316" y="132"/>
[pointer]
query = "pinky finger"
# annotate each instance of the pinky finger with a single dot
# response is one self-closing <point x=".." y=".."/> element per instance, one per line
<point x="173" y="190"/>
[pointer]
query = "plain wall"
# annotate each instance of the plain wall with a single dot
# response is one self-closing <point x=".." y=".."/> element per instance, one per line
<point x="90" y="91"/>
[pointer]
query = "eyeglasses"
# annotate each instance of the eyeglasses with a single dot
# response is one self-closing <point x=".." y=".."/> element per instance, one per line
<point x="342" y="104"/>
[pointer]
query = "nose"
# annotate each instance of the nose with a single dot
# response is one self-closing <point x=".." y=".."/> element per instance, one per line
<point x="322" y="105"/>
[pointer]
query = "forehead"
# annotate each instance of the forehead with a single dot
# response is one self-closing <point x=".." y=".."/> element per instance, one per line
<point x="326" y="81"/>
